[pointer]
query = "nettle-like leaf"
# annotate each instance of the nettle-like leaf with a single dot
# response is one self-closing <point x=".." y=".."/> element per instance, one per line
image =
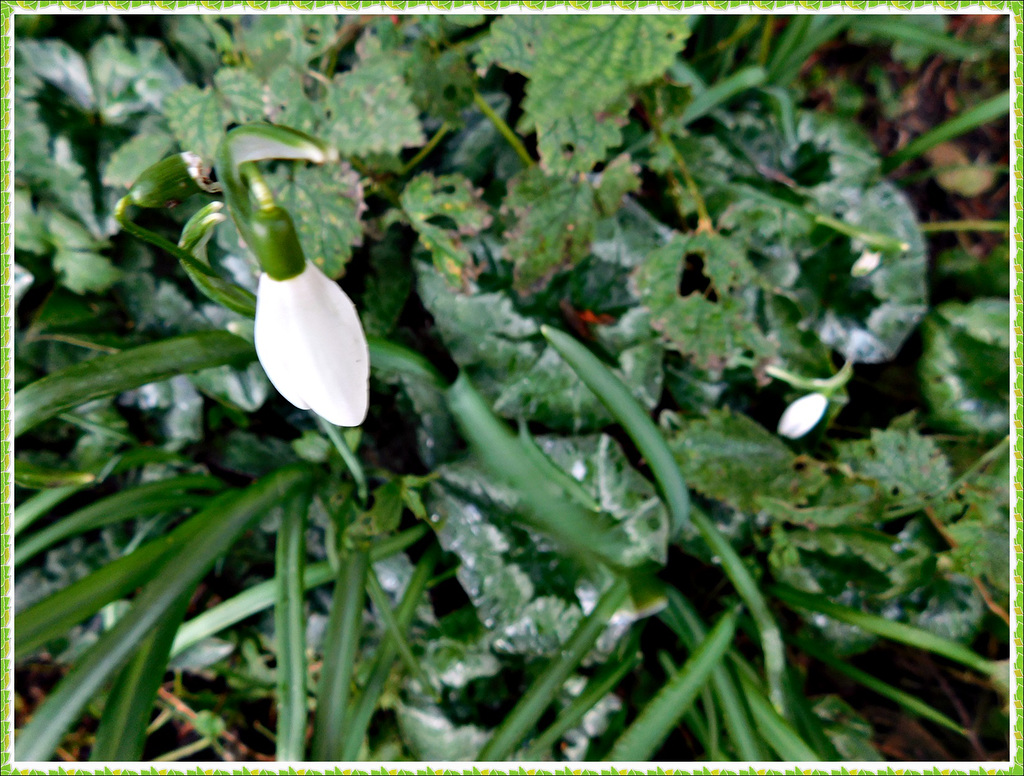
<point x="577" y="142"/>
<point x="717" y="332"/>
<point x="270" y="40"/>
<point x="905" y="464"/>
<point x="127" y="82"/>
<point x="369" y="109"/>
<point x="441" y="81"/>
<point x="327" y="203"/>
<point x="443" y="211"/>
<point x="553" y="225"/>
<point x="621" y="176"/>
<point x="134" y="156"/>
<point x="196" y="118"/>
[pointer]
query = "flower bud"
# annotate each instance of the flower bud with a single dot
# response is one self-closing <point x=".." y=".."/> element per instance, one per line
<point x="802" y="415"/>
<point x="168" y="182"/>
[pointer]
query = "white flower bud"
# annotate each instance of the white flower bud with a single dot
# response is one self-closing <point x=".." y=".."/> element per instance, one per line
<point x="802" y="415"/>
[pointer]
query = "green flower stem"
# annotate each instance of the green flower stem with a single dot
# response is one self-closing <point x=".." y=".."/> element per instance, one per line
<point x="642" y="739"/>
<point x="895" y="631"/>
<point x="966" y="225"/>
<point x="290" y="628"/>
<point x="341" y="649"/>
<point x="909" y="702"/>
<point x="503" y="128"/>
<point x="424" y="152"/>
<point x="882" y="242"/>
<point x="614" y="394"/>
<point x="980" y="114"/>
<point x="826" y="386"/>
<point x="524" y="716"/>
<point x="355" y="468"/>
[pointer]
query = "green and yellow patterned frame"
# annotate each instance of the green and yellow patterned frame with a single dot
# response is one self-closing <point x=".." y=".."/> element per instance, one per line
<point x="8" y="8"/>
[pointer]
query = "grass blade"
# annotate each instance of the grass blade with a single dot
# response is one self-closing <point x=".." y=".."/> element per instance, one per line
<point x="524" y="716"/>
<point x="641" y="740"/>
<point x="803" y="36"/>
<point x="262" y="596"/>
<point x="614" y="394"/>
<point x="117" y="372"/>
<point x="982" y="113"/>
<point x="898" y="29"/>
<point x="152" y="497"/>
<point x="341" y="648"/>
<point x="290" y="628"/>
<point x="775" y="730"/>
<point x="41" y="504"/>
<point x="180" y="573"/>
<point x="721" y="92"/>
<point x="122" y="732"/>
<point x="361" y="711"/>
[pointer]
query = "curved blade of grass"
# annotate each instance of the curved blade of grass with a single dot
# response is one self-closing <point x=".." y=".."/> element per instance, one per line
<point x="880" y="626"/>
<point x="641" y="740"/>
<point x="341" y="648"/>
<point x="123" y="725"/>
<point x="526" y="713"/>
<point x="775" y="730"/>
<point x="290" y="628"/>
<point x="262" y="596"/>
<point x="722" y="91"/>
<point x="151" y="497"/>
<point x="682" y="618"/>
<point x="117" y="372"/>
<point x="602" y="683"/>
<point x="895" y="29"/>
<point x="396" y="633"/>
<point x="904" y="699"/>
<point x="587" y="535"/>
<point x="614" y="394"/>
<point x="41" y="504"/>
<point x="29" y="475"/>
<point x="387" y="357"/>
<point x="180" y="573"/>
<point x="982" y="113"/>
<point x="361" y="710"/>
<point x="802" y="37"/>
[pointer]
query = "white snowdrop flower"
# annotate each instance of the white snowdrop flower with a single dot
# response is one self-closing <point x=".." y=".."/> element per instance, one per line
<point x="312" y="346"/>
<point x="802" y="415"/>
<point x="866" y="264"/>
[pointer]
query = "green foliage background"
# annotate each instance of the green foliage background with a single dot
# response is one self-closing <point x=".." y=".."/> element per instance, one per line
<point x="662" y="187"/>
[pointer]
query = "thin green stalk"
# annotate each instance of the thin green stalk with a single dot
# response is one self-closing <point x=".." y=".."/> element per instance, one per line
<point x="882" y="242"/>
<point x="290" y="628"/>
<point x="361" y="711"/>
<point x="642" y="739"/>
<point x="424" y="152"/>
<point x="803" y="36"/>
<point x="30" y="510"/>
<point x="894" y="631"/>
<point x="355" y="468"/>
<point x="503" y="128"/>
<point x="597" y="688"/>
<point x="775" y="730"/>
<point x="341" y="649"/>
<point x="259" y="597"/>
<point x="614" y="394"/>
<point x="904" y="699"/>
<point x="524" y="716"/>
<point x="722" y="91"/>
<point x="966" y="225"/>
<point x="980" y="114"/>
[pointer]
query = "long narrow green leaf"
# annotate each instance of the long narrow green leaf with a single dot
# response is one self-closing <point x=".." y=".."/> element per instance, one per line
<point x="180" y="573"/>
<point x="775" y="730"/>
<point x="262" y="596"/>
<point x="40" y="504"/>
<point x="341" y="648"/>
<point x="809" y="33"/>
<point x="880" y="626"/>
<point x="290" y="628"/>
<point x="614" y="394"/>
<point x="388" y="357"/>
<point x="524" y="716"/>
<point x="722" y="91"/>
<point x="395" y="632"/>
<point x="117" y="372"/>
<point x="148" y="498"/>
<point x="587" y="535"/>
<point x="641" y="740"/>
<point x="122" y="732"/>
<point x="361" y="710"/>
<point x="35" y="477"/>
<point x="896" y="29"/>
<point x="982" y="113"/>
<point x="682" y="618"/>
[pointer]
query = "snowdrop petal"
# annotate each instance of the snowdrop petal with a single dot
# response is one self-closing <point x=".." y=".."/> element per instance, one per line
<point x="802" y="415"/>
<point x="311" y="344"/>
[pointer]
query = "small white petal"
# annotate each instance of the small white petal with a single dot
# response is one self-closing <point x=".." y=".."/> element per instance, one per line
<point x="802" y="415"/>
<point x="312" y="346"/>
<point x="866" y="264"/>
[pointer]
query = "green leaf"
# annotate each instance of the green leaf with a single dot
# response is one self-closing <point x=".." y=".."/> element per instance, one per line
<point x="134" y="156"/>
<point x="906" y="465"/>
<point x="552" y="228"/>
<point x="370" y="110"/>
<point x="620" y="177"/>
<point x="242" y="93"/>
<point x="270" y="39"/>
<point x="131" y="82"/>
<point x="577" y="142"/>
<point x="442" y="211"/>
<point x="55" y="62"/>
<point x="964" y="368"/>
<point x="441" y="81"/>
<point x="30" y="475"/>
<point x="109" y="375"/>
<point x="196" y="119"/>
<point x="327" y="205"/>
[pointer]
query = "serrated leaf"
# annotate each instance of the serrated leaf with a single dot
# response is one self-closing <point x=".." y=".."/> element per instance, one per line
<point x="553" y="226"/>
<point x="131" y="82"/>
<point x="55" y="62"/>
<point x="196" y="118"/>
<point x="369" y="109"/>
<point x="84" y="271"/>
<point x="442" y="211"/>
<point x="904" y="463"/>
<point x="272" y="39"/>
<point x="441" y="81"/>
<point x="734" y="459"/>
<point x="621" y="176"/>
<point x="241" y="92"/>
<point x="577" y="142"/>
<point x="327" y="205"/>
<point x="134" y="156"/>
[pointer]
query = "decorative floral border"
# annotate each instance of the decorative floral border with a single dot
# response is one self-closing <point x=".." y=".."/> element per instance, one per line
<point x="1015" y="9"/>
